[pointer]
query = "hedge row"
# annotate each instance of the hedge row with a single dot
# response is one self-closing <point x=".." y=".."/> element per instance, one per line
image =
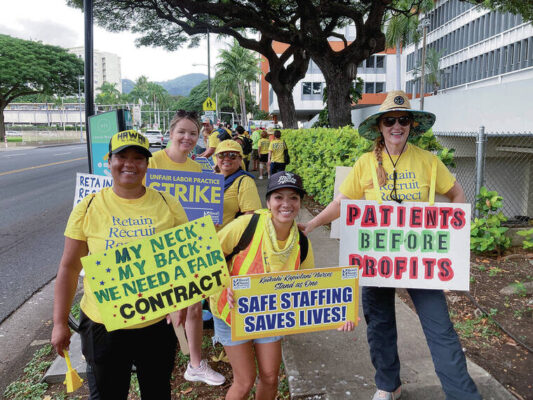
<point x="316" y="152"/>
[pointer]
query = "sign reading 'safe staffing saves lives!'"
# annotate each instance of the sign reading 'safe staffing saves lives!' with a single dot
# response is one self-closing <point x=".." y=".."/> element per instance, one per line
<point x="284" y="303"/>
<point x="149" y="278"/>
<point x="409" y="245"/>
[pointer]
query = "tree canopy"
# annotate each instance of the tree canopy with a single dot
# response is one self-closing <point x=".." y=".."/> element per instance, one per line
<point x="522" y="7"/>
<point x="28" y="67"/>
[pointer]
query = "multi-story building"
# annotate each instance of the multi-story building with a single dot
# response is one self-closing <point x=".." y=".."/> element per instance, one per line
<point x="478" y="47"/>
<point x="106" y="67"/>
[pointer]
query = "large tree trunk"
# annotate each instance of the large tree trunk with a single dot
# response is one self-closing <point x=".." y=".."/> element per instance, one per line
<point x="287" y="110"/>
<point x="2" y="125"/>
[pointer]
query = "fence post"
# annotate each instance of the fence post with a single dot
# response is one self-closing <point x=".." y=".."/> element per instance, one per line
<point x="480" y="163"/>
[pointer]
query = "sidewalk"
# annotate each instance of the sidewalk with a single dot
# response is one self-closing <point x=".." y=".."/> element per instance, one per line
<point x="335" y="366"/>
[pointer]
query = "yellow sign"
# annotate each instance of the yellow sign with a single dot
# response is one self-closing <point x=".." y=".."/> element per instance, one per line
<point x="149" y="278"/>
<point x="285" y="303"/>
<point x="209" y="105"/>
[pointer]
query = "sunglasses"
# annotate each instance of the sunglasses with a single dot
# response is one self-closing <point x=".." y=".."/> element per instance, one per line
<point x="390" y="121"/>
<point x="185" y="113"/>
<point x="230" y="155"/>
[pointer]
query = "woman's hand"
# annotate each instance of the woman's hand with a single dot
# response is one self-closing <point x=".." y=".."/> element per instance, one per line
<point x="231" y="301"/>
<point x="60" y="338"/>
<point x="177" y="317"/>
<point x="347" y="327"/>
<point x="306" y="228"/>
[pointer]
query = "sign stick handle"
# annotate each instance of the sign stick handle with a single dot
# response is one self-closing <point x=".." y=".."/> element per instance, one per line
<point x="180" y="333"/>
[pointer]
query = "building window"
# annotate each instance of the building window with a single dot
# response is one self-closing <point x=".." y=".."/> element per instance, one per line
<point x="380" y="61"/>
<point x="317" y="87"/>
<point x="380" y="87"/>
<point x="369" y="87"/>
<point x="370" y="62"/>
<point x="306" y="88"/>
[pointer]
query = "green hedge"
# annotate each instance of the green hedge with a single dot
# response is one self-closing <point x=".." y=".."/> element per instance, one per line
<point x="316" y="152"/>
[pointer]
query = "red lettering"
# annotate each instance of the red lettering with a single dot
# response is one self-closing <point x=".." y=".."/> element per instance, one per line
<point x="416" y="217"/>
<point x="429" y="263"/>
<point x="445" y="213"/>
<point x="430" y="221"/>
<point x="369" y="217"/>
<point x="445" y="269"/>
<point x="369" y="266"/>
<point x="413" y="268"/>
<point x="385" y="267"/>
<point x="352" y="214"/>
<point x="401" y="216"/>
<point x="385" y="212"/>
<point x="400" y="266"/>
<point x="458" y="219"/>
<point x="355" y="260"/>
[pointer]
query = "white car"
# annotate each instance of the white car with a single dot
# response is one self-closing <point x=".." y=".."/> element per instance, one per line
<point x="155" y="137"/>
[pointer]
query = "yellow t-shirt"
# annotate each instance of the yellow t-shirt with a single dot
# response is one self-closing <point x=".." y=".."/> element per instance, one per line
<point x="413" y="176"/>
<point x="214" y="141"/>
<point x="263" y="145"/>
<point x="277" y="146"/>
<point x="161" y="160"/>
<point x="230" y="236"/>
<point x="243" y="200"/>
<point x="110" y="221"/>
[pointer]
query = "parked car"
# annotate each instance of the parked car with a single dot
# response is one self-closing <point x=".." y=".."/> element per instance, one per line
<point x="155" y="137"/>
<point x="166" y="138"/>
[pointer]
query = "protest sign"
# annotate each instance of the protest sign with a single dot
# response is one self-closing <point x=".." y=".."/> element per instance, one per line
<point x="152" y="277"/>
<point x="285" y="303"/>
<point x="207" y="163"/>
<point x="89" y="183"/>
<point x="409" y="245"/>
<point x="199" y="193"/>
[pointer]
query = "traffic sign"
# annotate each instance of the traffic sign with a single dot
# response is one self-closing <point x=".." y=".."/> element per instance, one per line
<point x="209" y="105"/>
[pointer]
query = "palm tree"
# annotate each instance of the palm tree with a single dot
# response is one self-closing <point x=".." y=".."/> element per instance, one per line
<point x="433" y="68"/>
<point x="237" y="69"/>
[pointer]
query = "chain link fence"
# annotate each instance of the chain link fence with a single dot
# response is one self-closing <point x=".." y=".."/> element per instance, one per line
<point x="499" y="161"/>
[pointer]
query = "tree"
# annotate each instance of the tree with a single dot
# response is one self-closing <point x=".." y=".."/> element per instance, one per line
<point x="237" y="68"/>
<point x="356" y="94"/>
<point x="28" y="67"/>
<point x="433" y="73"/>
<point x="522" y="7"/>
<point x="109" y="94"/>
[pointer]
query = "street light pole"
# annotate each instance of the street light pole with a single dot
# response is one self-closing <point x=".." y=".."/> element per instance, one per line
<point x="79" y="101"/>
<point x="208" y="66"/>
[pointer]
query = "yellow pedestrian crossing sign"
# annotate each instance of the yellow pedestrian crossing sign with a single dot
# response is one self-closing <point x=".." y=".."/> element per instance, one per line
<point x="209" y="105"/>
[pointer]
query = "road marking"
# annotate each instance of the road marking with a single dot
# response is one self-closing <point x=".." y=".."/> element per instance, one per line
<point x="16" y="155"/>
<point x="62" y="154"/>
<point x="42" y="166"/>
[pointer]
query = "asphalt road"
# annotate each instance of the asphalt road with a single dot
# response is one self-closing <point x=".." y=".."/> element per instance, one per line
<point x="36" y="195"/>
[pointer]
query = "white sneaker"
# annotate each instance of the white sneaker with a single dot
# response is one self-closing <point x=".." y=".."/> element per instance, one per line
<point x="260" y="177"/>
<point x="204" y="373"/>
<point x="383" y="395"/>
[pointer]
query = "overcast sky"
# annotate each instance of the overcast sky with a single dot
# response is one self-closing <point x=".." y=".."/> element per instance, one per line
<point x="53" y="22"/>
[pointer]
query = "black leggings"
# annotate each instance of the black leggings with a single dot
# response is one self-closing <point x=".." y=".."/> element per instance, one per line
<point x="151" y="349"/>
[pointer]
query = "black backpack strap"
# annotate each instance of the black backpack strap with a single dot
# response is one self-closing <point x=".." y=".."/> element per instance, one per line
<point x="304" y="246"/>
<point x="246" y="237"/>
<point x="163" y="197"/>
<point x="90" y="201"/>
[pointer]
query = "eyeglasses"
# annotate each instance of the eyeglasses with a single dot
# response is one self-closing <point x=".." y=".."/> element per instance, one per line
<point x="228" y="154"/>
<point x="185" y="113"/>
<point x="390" y="121"/>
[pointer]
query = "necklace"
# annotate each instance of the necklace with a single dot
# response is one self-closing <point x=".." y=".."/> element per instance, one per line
<point x="394" y="192"/>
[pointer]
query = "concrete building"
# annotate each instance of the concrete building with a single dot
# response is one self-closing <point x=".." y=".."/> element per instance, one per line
<point x="106" y="67"/>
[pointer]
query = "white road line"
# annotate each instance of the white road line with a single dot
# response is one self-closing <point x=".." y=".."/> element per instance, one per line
<point x="61" y="154"/>
<point x="16" y="155"/>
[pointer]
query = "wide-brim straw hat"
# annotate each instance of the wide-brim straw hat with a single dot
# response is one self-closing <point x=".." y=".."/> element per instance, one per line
<point x="397" y="100"/>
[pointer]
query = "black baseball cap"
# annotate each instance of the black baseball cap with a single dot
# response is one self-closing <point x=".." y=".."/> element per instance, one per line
<point x="284" y="179"/>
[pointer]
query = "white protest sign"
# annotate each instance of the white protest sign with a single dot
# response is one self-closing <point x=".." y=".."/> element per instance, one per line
<point x="408" y="245"/>
<point x="88" y="183"/>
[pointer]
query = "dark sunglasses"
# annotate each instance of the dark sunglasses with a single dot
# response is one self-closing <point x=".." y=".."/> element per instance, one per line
<point x="185" y="113"/>
<point x="230" y="155"/>
<point x="390" y="121"/>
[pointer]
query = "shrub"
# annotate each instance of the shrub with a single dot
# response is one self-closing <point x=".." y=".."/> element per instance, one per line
<point x="486" y="232"/>
<point x="528" y="238"/>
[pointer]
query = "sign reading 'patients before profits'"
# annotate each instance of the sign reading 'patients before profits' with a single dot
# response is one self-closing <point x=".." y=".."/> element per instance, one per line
<point x="89" y="183"/>
<point x="152" y="277"/>
<point x="408" y="245"/>
<point x="284" y="303"/>
<point x="199" y="193"/>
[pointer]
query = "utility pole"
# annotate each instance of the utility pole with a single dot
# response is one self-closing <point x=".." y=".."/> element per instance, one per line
<point x="208" y="66"/>
<point x="424" y="23"/>
<point x="89" y="72"/>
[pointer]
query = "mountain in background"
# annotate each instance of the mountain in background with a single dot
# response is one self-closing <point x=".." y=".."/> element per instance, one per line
<point x="180" y="86"/>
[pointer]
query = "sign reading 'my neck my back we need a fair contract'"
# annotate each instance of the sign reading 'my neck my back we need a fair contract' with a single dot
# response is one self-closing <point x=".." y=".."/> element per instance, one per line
<point x="408" y="245"/>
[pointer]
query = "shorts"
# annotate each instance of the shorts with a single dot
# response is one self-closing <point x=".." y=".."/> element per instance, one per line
<point x="223" y="335"/>
<point x="255" y="154"/>
<point x="263" y="158"/>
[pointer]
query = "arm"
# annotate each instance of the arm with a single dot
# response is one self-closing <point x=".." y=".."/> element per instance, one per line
<point x="208" y="153"/>
<point x="456" y="194"/>
<point x="328" y="214"/>
<point x="65" y="288"/>
<point x="269" y="157"/>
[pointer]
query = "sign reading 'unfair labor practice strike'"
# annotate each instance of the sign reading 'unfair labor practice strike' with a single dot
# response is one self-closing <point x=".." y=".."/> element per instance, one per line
<point x="284" y="303"/>
<point x="152" y="277"/>
<point x="199" y="193"/>
<point x="409" y="245"/>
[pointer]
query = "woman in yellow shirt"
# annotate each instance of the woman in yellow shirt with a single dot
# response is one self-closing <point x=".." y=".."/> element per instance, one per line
<point x="403" y="173"/>
<point x="94" y="226"/>
<point x="184" y="133"/>
<point x="263" y="146"/>
<point x="278" y="250"/>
